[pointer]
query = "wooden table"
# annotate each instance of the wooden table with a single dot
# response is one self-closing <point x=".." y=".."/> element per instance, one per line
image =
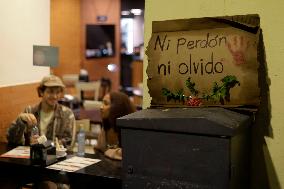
<point x="104" y="174"/>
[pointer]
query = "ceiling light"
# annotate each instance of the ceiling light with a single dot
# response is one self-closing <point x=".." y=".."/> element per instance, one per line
<point x="136" y="11"/>
<point x="112" y="67"/>
<point x="125" y="13"/>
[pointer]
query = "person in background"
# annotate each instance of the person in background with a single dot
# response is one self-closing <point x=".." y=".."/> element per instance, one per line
<point x="115" y="105"/>
<point x="52" y="119"/>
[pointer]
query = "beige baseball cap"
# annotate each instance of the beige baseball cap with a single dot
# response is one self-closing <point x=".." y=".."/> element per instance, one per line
<point x="52" y="81"/>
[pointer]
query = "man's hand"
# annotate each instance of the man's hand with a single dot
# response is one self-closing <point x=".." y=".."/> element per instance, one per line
<point x="34" y="139"/>
<point x="29" y="118"/>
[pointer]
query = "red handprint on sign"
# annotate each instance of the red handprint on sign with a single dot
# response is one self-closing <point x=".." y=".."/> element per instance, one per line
<point x="238" y="46"/>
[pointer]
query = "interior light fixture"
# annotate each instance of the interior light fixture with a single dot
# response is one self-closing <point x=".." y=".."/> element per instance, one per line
<point x="125" y="13"/>
<point x="136" y="11"/>
<point x="112" y="67"/>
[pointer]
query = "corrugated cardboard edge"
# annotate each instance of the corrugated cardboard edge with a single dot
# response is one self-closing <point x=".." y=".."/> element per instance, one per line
<point x="249" y="23"/>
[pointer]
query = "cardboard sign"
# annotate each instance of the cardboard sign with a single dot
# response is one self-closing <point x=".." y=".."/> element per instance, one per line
<point x="202" y="59"/>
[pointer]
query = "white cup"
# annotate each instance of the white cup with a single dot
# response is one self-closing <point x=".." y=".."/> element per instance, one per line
<point x="61" y="152"/>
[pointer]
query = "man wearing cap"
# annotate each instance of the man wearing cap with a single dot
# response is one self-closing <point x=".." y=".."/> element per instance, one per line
<point x="52" y="119"/>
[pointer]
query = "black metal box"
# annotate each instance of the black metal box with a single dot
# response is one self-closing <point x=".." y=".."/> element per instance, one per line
<point x="185" y="148"/>
<point x="43" y="154"/>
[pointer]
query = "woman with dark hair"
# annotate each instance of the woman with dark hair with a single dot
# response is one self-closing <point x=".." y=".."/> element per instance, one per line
<point x="115" y="105"/>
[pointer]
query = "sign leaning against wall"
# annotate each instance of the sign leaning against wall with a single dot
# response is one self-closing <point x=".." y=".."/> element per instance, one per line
<point x="205" y="61"/>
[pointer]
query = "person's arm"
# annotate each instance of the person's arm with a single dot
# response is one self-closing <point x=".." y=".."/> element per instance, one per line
<point x="68" y="128"/>
<point x="20" y="126"/>
<point x="15" y="134"/>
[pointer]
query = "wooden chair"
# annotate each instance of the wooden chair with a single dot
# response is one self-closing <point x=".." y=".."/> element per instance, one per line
<point x="93" y="86"/>
<point x="70" y="79"/>
<point x="85" y="124"/>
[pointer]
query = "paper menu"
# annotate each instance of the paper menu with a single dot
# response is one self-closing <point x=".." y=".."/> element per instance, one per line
<point x="73" y="164"/>
<point x="18" y="152"/>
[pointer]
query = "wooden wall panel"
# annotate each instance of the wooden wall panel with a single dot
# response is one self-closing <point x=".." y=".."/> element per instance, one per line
<point x="137" y="72"/>
<point x="65" y="24"/>
<point x="68" y="20"/>
<point x="13" y="100"/>
<point x="90" y="9"/>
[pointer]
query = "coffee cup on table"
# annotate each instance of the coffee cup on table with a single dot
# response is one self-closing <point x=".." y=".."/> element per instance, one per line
<point x="60" y="152"/>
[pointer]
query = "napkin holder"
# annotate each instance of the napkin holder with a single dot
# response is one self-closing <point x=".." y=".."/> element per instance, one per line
<point x="43" y="154"/>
